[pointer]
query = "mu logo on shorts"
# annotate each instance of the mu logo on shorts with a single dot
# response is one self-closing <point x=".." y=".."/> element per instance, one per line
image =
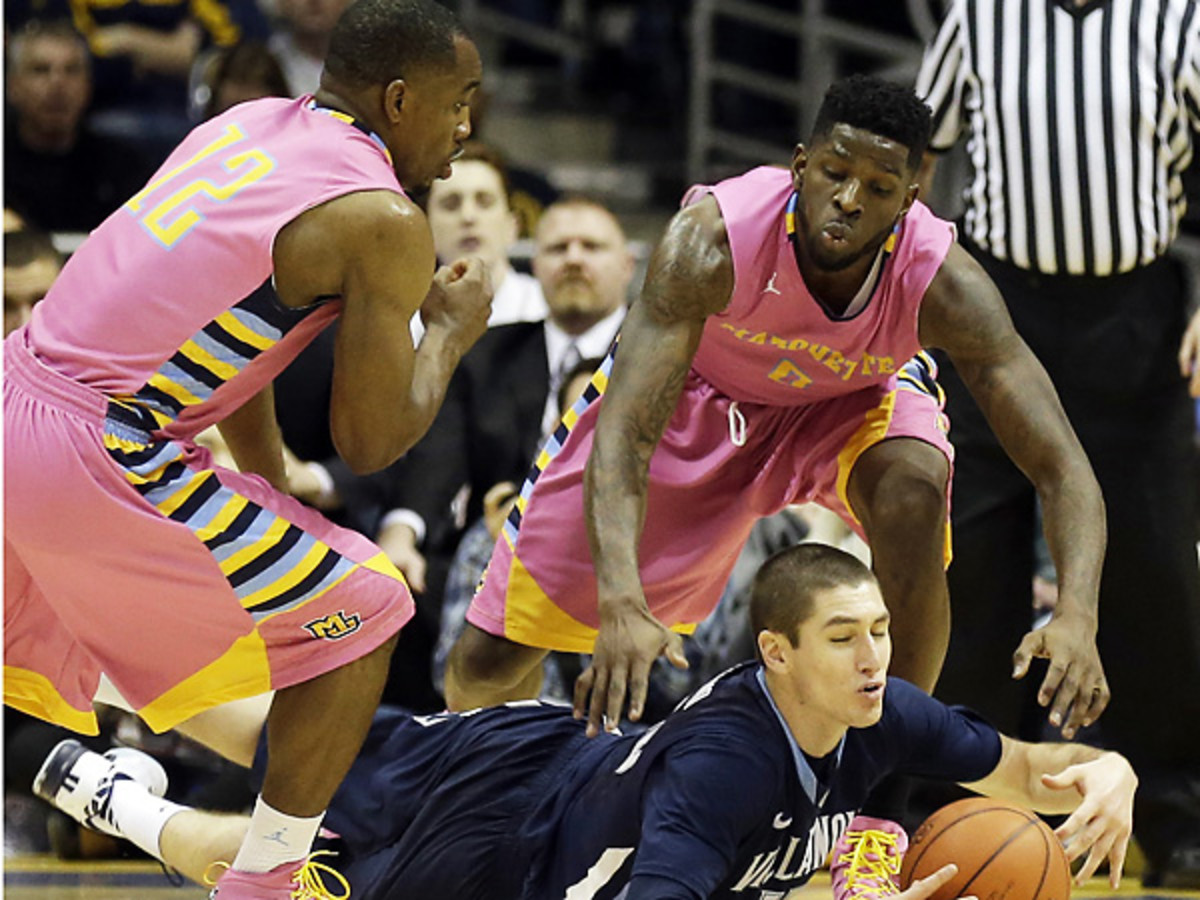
<point x="333" y="626"/>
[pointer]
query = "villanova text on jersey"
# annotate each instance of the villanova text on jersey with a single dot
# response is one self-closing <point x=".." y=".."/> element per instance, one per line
<point x="719" y="796"/>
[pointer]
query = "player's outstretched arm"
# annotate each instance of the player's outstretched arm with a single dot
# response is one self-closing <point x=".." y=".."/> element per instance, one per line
<point x="1095" y="786"/>
<point x="964" y="314"/>
<point x="689" y="278"/>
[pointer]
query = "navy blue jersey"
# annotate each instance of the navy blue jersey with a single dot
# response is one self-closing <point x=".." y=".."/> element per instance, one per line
<point x="718" y="798"/>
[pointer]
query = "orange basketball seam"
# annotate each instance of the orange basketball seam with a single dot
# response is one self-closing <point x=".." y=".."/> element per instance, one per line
<point x="1050" y="841"/>
<point x="965" y="889"/>
<point x="1045" y="865"/>
<point x="925" y="845"/>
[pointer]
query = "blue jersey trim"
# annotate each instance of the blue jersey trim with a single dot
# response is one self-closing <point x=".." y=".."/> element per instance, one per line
<point x="808" y="778"/>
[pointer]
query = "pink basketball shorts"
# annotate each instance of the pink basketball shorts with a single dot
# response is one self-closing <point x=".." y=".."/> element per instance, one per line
<point x="187" y="584"/>
<point x="706" y="490"/>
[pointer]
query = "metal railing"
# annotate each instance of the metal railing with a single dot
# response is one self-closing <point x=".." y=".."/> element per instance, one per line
<point x="820" y="37"/>
<point x="566" y="38"/>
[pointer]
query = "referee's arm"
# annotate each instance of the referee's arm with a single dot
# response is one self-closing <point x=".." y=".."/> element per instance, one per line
<point x="940" y="85"/>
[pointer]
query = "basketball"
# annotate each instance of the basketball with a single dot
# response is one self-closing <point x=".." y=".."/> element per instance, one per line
<point x="1003" y="852"/>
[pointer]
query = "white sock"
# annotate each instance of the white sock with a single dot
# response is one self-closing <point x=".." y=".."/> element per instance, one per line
<point x="140" y="816"/>
<point x="275" y="838"/>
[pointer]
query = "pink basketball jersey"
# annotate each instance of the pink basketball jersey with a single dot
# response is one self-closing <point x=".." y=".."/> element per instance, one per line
<point x="167" y="307"/>
<point x="775" y="344"/>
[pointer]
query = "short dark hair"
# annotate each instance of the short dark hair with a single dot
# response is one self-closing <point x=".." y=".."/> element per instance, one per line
<point x="378" y="41"/>
<point x="247" y="62"/>
<point x="54" y="29"/>
<point x="26" y="246"/>
<point x="880" y="107"/>
<point x="478" y="151"/>
<point x="781" y="597"/>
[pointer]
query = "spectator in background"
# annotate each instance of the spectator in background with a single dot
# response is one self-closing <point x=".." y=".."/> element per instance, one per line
<point x="246" y="71"/>
<point x="1081" y="118"/>
<point x="301" y="38"/>
<point x="470" y="215"/>
<point x="31" y="263"/>
<point x="58" y="173"/>
<point x="144" y="52"/>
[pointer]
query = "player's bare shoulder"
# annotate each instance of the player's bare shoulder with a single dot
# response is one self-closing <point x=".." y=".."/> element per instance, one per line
<point x="962" y="310"/>
<point x="691" y="271"/>
<point x="363" y="233"/>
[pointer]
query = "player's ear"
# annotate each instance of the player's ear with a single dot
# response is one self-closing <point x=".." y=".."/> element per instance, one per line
<point x="393" y="98"/>
<point x="771" y="649"/>
<point x="799" y="163"/>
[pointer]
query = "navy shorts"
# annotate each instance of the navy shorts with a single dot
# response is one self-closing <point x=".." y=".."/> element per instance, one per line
<point x="433" y="805"/>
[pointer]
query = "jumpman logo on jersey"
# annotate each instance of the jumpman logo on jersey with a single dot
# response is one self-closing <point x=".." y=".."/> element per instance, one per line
<point x="770" y="288"/>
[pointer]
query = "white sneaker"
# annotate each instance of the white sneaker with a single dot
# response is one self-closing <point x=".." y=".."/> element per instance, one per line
<point x="80" y="782"/>
<point x="141" y="767"/>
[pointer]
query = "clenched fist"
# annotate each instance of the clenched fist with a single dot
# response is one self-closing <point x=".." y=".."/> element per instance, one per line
<point x="459" y="301"/>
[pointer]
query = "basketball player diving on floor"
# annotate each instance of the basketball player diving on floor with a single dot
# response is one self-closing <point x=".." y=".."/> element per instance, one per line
<point x="739" y="793"/>
<point x="775" y="357"/>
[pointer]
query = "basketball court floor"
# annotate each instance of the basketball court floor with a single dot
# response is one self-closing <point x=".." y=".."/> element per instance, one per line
<point x="45" y="878"/>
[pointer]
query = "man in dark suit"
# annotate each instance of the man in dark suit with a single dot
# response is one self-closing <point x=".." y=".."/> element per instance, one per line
<point x="503" y="397"/>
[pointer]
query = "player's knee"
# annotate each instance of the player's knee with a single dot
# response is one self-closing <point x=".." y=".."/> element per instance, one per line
<point x="900" y="484"/>
<point x="481" y="661"/>
<point x="909" y="502"/>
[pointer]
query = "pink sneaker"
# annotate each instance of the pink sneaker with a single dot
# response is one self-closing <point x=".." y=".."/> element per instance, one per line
<point x="300" y="880"/>
<point x="865" y="863"/>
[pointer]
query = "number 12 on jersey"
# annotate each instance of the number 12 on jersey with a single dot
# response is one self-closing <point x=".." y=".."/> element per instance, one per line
<point x="178" y="212"/>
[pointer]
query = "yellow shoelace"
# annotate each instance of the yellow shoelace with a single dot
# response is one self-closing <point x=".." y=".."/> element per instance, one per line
<point x="871" y="877"/>
<point x="208" y="879"/>
<point x="309" y="881"/>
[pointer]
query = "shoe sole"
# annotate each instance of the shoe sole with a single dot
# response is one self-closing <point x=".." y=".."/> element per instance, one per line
<point x="57" y="767"/>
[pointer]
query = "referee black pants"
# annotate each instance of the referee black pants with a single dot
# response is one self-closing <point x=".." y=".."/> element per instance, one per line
<point x="1110" y="346"/>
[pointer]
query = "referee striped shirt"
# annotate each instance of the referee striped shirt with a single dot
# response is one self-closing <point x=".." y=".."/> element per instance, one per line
<point x="1079" y="123"/>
